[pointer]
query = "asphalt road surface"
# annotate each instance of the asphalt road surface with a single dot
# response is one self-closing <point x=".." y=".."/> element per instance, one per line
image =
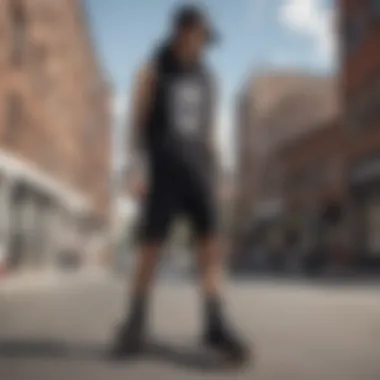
<point x="300" y="332"/>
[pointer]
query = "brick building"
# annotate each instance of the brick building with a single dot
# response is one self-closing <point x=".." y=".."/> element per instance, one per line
<point x="274" y="109"/>
<point x="54" y="133"/>
<point x="315" y="191"/>
<point x="360" y="34"/>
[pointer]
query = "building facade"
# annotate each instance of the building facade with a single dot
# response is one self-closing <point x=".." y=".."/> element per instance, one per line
<point x="360" y="34"/>
<point x="273" y="109"/>
<point x="54" y="134"/>
<point x="316" y="195"/>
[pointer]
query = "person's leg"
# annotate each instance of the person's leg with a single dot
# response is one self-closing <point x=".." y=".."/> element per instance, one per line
<point x="158" y="214"/>
<point x="148" y="255"/>
<point x="217" y="331"/>
<point x="143" y="279"/>
<point x="210" y="259"/>
<point x="131" y="335"/>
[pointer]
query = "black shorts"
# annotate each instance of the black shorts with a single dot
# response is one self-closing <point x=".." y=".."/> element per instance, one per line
<point x="178" y="191"/>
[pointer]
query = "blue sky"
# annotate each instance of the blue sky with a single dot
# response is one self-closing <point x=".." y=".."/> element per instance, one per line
<point x="256" y="34"/>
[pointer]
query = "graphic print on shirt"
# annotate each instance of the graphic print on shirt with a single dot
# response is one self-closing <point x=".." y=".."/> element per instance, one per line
<point x="186" y="103"/>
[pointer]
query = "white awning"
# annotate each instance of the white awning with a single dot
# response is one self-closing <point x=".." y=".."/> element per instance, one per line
<point x="24" y="170"/>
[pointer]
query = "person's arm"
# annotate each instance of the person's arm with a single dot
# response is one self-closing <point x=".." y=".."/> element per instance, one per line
<point x="140" y="106"/>
<point x="214" y="124"/>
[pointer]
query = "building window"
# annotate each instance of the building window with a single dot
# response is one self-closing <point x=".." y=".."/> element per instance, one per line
<point x="14" y="116"/>
<point x="18" y="32"/>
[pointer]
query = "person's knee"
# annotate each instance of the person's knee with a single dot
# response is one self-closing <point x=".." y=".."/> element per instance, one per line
<point x="154" y="230"/>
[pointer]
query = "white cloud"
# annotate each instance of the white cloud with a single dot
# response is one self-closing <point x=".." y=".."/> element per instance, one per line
<point x="312" y="19"/>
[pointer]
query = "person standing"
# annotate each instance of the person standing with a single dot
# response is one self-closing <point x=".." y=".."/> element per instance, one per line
<point x="174" y="107"/>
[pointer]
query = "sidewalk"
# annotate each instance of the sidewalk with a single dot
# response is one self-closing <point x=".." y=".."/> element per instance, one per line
<point x="36" y="281"/>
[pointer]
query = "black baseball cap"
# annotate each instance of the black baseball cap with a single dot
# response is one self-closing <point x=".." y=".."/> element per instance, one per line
<point x="188" y="16"/>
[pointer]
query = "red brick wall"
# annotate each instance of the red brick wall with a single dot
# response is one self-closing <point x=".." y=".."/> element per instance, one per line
<point x="361" y="79"/>
<point x="314" y="167"/>
<point x="65" y="126"/>
<point x="279" y="107"/>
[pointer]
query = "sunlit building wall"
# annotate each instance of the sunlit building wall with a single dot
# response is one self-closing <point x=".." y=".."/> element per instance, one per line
<point x="54" y="134"/>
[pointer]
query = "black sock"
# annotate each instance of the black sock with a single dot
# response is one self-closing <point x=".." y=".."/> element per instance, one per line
<point x="213" y="313"/>
<point x="137" y="313"/>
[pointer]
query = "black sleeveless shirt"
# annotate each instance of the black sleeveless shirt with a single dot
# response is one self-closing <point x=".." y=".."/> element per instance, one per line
<point x="180" y="117"/>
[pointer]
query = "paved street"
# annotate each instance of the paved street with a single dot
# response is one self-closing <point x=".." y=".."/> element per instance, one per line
<point x="301" y="332"/>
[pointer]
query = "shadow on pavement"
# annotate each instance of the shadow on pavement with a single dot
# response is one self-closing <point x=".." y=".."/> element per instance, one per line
<point x="192" y="358"/>
<point x="49" y="350"/>
<point x="195" y="359"/>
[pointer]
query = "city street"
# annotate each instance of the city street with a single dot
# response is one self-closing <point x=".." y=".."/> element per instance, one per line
<point x="301" y="331"/>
